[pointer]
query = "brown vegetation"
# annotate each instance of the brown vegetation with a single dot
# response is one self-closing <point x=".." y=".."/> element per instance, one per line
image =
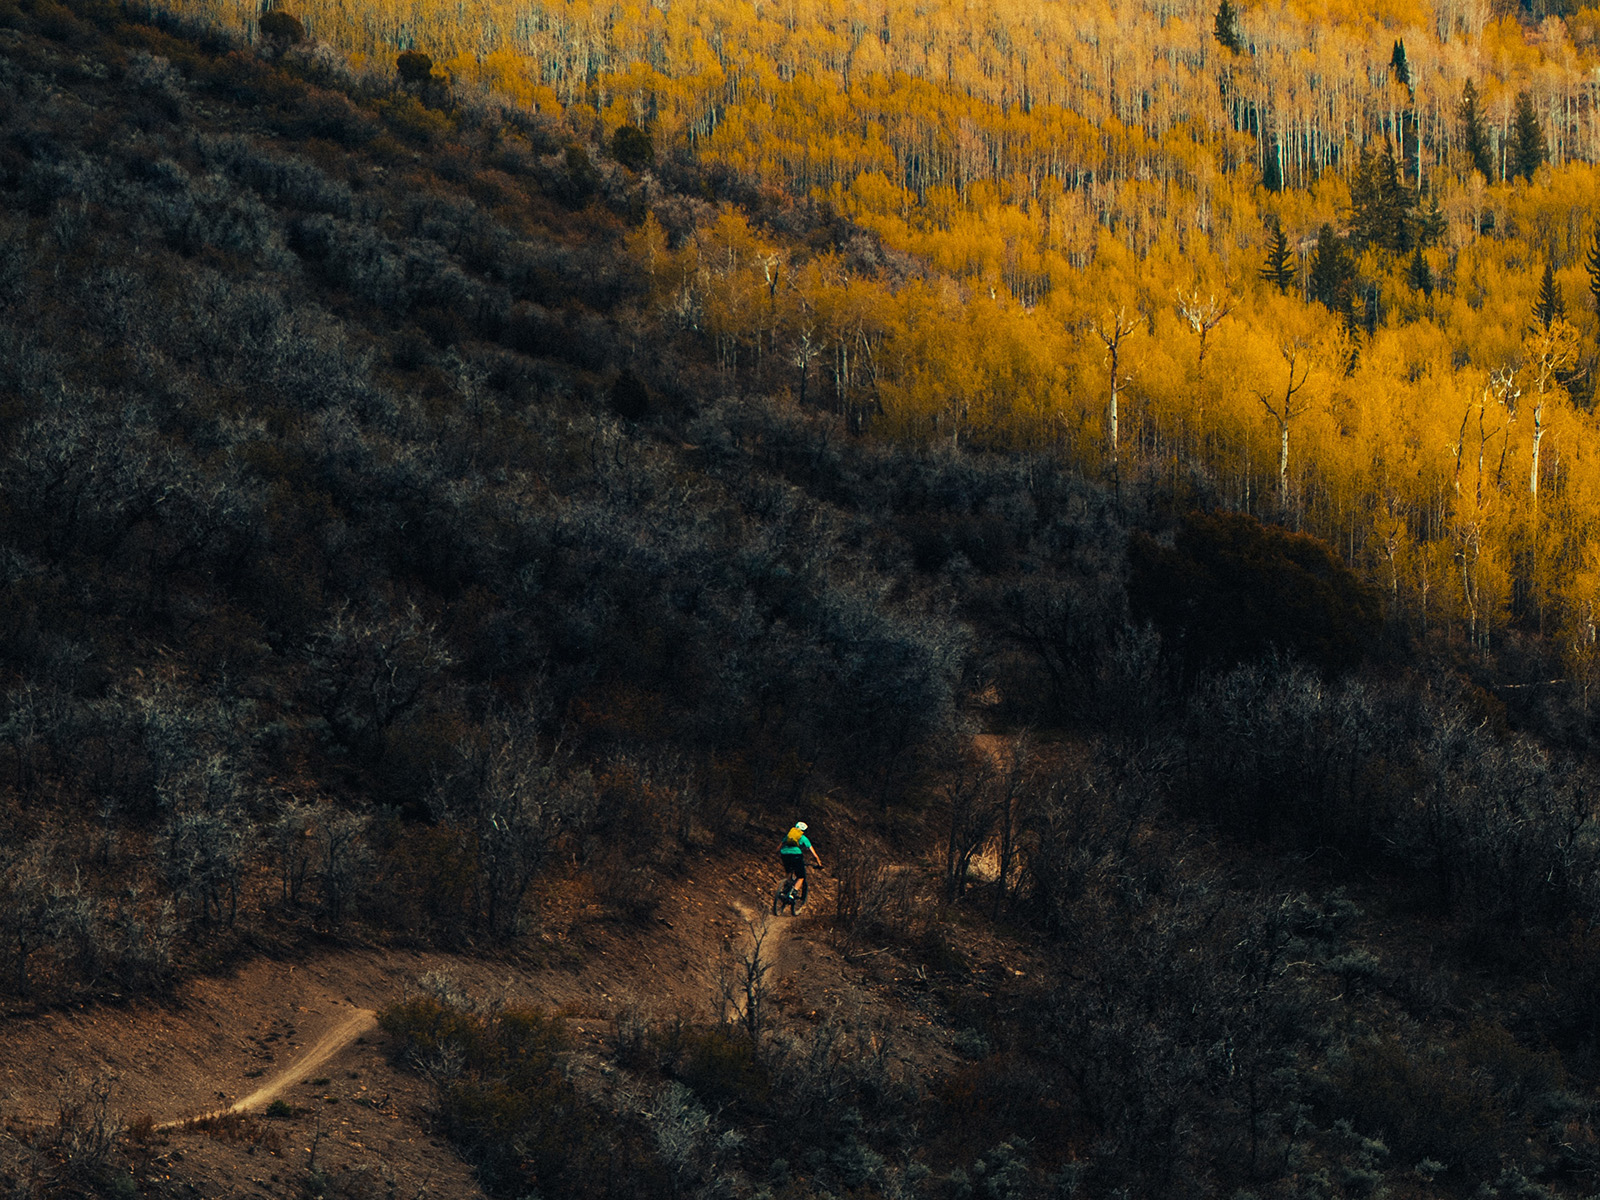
<point x="426" y="526"/>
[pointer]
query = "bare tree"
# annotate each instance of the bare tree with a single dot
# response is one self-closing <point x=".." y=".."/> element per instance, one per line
<point x="1285" y="408"/>
<point x="1202" y="317"/>
<point x="743" y="993"/>
<point x="1014" y="781"/>
<point x="969" y="795"/>
<point x="343" y="859"/>
<point x="1113" y="329"/>
<point x="203" y="854"/>
<point x="289" y="840"/>
<point x="370" y="670"/>
<point x="513" y="795"/>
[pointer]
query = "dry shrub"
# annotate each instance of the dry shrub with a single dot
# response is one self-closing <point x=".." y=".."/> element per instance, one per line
<point x="628" y="887"/>
<point x="719" y="1064"/>
<point x="141" y="1128"/>
<point x="872" y="899"/>
<point x="1462" y="1103"/>
<point x="238" y="1128"/>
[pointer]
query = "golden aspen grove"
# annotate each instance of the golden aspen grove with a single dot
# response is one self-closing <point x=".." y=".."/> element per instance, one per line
<point x="1054" y="182"/>
<point x="478" y="482"/>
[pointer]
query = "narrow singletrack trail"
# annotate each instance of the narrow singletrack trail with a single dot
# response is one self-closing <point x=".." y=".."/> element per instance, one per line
<point x="358" y="1022"/>
<point x="776" y="929"/>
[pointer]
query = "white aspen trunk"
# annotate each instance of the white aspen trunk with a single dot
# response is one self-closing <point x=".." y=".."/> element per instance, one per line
<point x="1538" y="436"/>
<point x="1283" y="465"/>
<point x="1111" y="425"/>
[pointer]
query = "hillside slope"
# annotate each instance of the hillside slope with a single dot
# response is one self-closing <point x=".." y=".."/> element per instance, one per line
<point x="406" y="611"/>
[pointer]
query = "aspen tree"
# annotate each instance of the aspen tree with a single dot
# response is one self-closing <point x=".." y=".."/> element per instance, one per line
<point x="1549" y="351"/>
<point x="1285" y="407"/>
<point x="1113" y="328"/>
<point x="1202" y="317"/>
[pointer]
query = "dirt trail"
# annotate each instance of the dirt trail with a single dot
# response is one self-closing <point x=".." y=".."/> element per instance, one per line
<point x="359" y="1021"/>
<point x="772" y="931"/>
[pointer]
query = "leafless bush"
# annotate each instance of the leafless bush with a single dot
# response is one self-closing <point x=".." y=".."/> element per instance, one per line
<point x="204" y="855"/>
<point x="343" y="860"/>
<point x="871" y="896"/>
<point x="290" y="847"/>
<point x="30" y="918"/>
<point x="833" y="1073"/>
<point x="633" y="1031"/>
<point x="972" y="809"/>
<point x="743" y="992"/>
<point x="86" y="1133"/>
<point x="142" y="932"/>
<point x="690" y="1145"/>
<point x="516" y="795"/>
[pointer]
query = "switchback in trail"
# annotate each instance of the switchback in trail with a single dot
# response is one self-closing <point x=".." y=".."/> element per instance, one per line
<point x="357" y="1022"/>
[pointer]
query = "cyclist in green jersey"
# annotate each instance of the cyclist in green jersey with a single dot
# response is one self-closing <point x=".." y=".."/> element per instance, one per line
<point x="792" y="854"/>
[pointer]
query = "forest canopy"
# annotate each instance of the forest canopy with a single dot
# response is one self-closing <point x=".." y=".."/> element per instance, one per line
<point x="1332" y="267"/>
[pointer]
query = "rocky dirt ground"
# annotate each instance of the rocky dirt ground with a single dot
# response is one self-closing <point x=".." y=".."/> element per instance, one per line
<point x="294" y="1042"/>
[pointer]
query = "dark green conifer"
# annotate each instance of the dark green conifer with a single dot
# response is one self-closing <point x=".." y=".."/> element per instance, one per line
<point x="1280" y="268"/>
<point x="1474" y="138"/>
<point x="1527" y="139"/>
<point x="1549" y="307"/>
<point x="415" y="67"/>
<point x="1226" y="27"/>
<point x="1272" y="167"/>
<point x="282" y="26"/>
<point x="1380" y="203"/>
<point x="632" y="147"/>
<point x="1333" y="274"/>
<point x="1430" y="224"/>
<point x="1592" y="262"/>
<point x="1399" y="203"/>
<point x="1399" y="65"/>
<point x="1365" y="219"/>
<point x="1419" y="275"/>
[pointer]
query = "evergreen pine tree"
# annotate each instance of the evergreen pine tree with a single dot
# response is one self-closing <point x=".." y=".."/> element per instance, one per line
<point x="1399" y="65"/>
<point x="1272" y="168"/>
<point x="1279" y="269"/>
<point x="1549" y="307"/>
<point x="1355" y="314"/>
<point x="1527" y="138"/>
<point x="1332" y="276"/>
<point x="1430" y="224"/>
<point x="1474" y="138"/>
<point x="1418" y="274"/>
<point x="1592" y="262"/>
<point x="1226" y="27"/>
<point x="1366" y="219"/>
<point x="1380" y="203"/>
<point x="1397" y="202"/>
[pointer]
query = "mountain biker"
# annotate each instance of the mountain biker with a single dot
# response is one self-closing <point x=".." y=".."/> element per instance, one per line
<point x="793" y="855"/>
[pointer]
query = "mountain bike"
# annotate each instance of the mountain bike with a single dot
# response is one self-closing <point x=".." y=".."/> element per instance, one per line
<point x="786" y="897"/>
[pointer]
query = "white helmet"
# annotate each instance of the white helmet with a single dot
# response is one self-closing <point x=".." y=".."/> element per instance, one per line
<point x="800" y="825"/>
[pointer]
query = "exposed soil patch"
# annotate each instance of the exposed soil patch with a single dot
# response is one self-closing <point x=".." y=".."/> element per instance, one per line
<point x="296" y="1046"/>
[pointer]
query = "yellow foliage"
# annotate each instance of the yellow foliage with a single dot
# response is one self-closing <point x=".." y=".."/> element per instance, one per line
<point x="1051" y="166"/>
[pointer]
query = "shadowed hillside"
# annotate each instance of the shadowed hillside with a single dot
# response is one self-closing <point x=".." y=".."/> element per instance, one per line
<point x="395" y="586"/>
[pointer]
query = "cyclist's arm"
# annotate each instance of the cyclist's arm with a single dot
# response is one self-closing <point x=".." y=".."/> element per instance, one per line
<point x="813" y="850"/>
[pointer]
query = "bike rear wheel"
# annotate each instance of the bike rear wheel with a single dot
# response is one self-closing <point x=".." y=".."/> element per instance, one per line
<point x="784" y="897"/>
